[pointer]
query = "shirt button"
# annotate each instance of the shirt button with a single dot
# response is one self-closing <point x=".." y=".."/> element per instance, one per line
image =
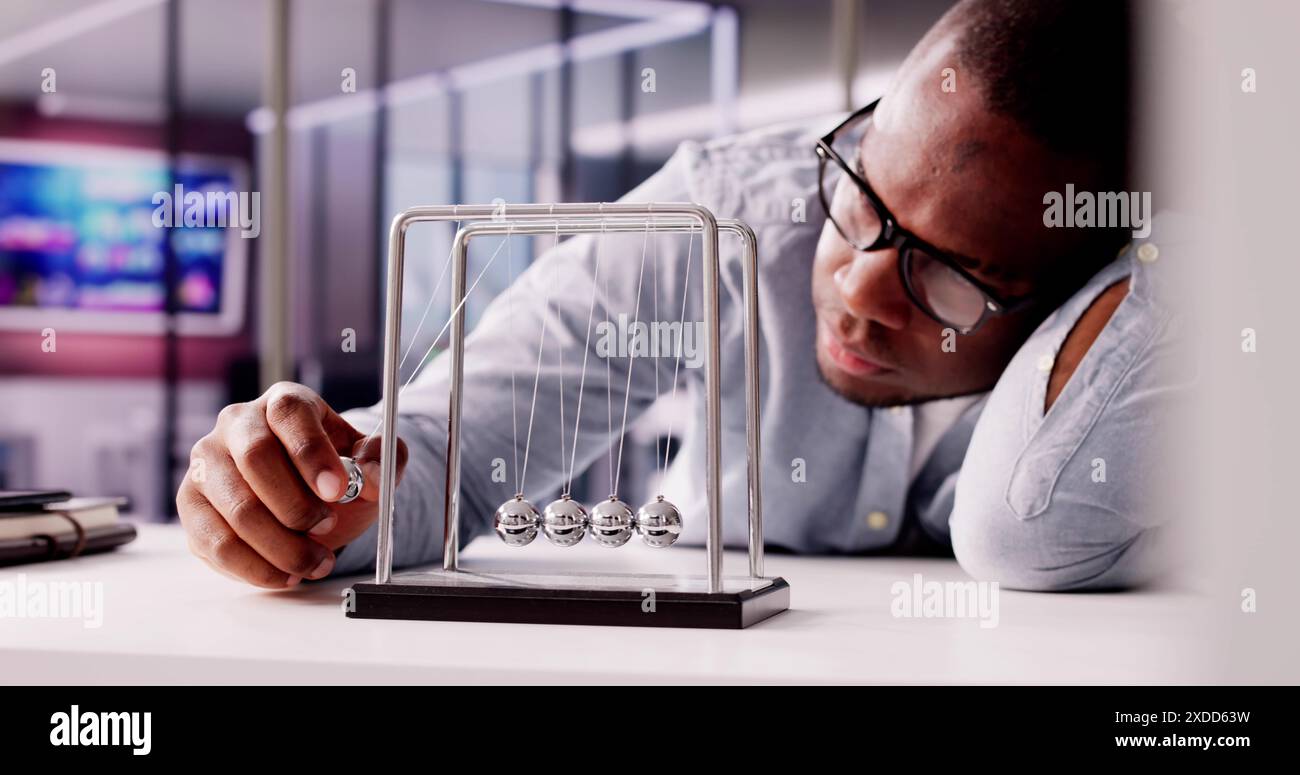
<point x="877" y="520"/>
<point x="1045" y="363"/>
<point x="1148" y="252"/>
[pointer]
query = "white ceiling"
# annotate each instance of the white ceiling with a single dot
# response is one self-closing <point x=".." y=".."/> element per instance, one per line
<point x="223" y="46"/>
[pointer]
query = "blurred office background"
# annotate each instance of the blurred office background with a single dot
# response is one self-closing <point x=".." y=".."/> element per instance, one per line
<point x="339" y="113"/>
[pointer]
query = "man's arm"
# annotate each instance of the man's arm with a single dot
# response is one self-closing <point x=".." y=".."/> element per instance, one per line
<point x="1061" y="487"/>
<point x="1081" y="337"/>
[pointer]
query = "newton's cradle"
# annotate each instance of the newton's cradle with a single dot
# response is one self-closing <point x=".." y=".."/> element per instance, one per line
<point x="453" y="593"/>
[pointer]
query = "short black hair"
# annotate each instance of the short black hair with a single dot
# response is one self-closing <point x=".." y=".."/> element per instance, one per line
<point x="1059" y="68"/>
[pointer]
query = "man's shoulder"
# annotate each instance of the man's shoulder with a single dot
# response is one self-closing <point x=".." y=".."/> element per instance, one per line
<point x="793" y="141"/>
<point x="760" y="176"/>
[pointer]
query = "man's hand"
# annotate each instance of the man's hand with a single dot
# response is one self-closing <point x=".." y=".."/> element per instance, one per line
<point x="259" y="500"/>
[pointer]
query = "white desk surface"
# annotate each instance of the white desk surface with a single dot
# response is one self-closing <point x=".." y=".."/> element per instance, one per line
<point x="168" y="618"/>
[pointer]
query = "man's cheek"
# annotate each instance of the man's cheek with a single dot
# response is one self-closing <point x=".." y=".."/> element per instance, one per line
<point x="831" y="251"/>
<point x="823" y="284"/>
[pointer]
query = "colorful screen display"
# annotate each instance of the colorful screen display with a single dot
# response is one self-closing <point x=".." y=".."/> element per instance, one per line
<point x="83" y="233"/>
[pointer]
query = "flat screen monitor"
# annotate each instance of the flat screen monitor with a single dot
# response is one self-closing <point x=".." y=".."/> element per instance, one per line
<point x="82" y="236"/>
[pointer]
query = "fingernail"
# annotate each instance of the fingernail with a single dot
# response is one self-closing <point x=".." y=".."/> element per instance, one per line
<point x="326" y="565"/>
<point x="293" y="581"/>
<point x="324" y="526"/>
<point x="327" y="484"/>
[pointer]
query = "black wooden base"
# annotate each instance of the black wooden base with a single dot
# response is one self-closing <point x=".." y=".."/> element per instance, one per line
<point x="542" y="605"/>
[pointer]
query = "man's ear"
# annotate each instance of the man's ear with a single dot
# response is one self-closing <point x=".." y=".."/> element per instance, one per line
<point x="1082" y="336"/>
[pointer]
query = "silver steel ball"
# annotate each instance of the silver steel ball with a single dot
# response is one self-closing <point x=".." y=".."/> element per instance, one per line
<point x="356" y="480"/>
<point x="516" y="522"/>
<point x="659" y="523"/>
<point x="565" y="522"/>
<point x="612" y="522"/>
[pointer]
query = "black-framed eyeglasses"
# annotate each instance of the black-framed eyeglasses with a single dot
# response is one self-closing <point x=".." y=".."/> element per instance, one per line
<point x="934" y="279"/>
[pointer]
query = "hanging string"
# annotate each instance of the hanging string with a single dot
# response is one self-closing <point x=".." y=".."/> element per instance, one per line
<point x="433" y="295"/>
<point x="559" y="344"/>
<point x="586" y="351"/>
<point x="627" y="389"/>
<point x="537" y="375"/>
<point x="681" y="331"/>
<point x="609" y="382"/>
<point x="510" y="322"/>
<point x="655" y="311"/>
<point x="425" y="358"/>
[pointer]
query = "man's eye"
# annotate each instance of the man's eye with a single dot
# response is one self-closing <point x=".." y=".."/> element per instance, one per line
<point x="862" y="174"/>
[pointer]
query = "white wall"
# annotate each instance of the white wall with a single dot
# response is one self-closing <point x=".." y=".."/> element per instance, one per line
<point x="101" y="436"/>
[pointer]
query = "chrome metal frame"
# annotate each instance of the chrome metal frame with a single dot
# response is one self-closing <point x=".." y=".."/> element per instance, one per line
<point x="572" y="219"/>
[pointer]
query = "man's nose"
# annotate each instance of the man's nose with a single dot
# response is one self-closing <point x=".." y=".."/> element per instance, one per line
<point x="872" y="290"/>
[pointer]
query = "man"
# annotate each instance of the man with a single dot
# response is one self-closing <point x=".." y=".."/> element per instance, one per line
<point x="935" y="278"/>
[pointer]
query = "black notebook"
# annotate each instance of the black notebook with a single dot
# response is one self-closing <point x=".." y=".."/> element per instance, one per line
<point x="37" y="526"/>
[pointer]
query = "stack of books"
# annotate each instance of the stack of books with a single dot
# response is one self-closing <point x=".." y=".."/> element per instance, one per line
<point x="36" y="526"/>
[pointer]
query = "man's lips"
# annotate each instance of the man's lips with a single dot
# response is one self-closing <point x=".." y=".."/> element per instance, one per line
<point x="846" y="358"/>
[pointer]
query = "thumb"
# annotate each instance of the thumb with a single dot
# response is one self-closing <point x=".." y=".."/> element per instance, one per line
<point x="356" y="517"/>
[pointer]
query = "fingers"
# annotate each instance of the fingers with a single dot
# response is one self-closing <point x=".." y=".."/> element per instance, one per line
<point x="341" y="432"/>
<point x="262" y="507"/>
<point x="255" y="526"/>
<point x="263" y="463"/>
<point x="367" y="454"/>
<point x="212" y="540"/>
<point x="294" y="416"/>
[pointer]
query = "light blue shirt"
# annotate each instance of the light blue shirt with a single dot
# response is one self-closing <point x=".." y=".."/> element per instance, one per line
<point x="836" y="475"/>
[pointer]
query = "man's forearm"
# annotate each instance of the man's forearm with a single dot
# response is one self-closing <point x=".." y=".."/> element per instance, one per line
<point x="418" y="509"/>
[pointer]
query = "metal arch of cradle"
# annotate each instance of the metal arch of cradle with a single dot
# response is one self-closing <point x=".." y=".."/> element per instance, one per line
<point x="571" y="219"/>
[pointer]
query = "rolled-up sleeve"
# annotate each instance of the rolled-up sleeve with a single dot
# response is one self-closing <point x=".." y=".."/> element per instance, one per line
<point x="1075" y="498"/>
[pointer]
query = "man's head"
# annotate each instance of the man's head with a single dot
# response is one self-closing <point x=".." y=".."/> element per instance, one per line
<point x="1036" y="98"/>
